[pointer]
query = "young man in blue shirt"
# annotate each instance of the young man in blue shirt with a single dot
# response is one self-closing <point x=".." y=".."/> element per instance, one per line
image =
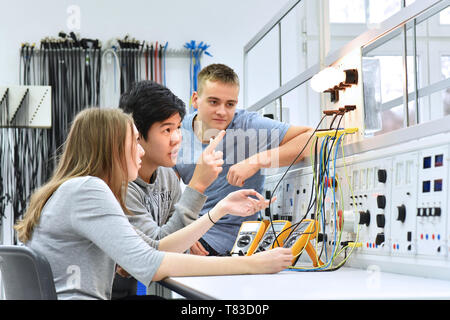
<point x="251" y="143"/>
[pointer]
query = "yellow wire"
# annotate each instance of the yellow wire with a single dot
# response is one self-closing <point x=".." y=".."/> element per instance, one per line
<point x="341" y="230"/>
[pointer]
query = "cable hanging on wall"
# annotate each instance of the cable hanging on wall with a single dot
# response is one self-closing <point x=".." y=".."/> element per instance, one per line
<point x="70" y="67"/>
<point x="129" y="60"/>
<point x="195" y="51"/>
<point x="79" y="72"/>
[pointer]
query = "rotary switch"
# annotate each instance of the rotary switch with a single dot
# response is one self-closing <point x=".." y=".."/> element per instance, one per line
<point x="381" y="220"/>
<point x="401" y="213"/>
<point x="382" y="175"/>
<point x="364" y="217"/>
<point x="244" y="241"/>
<point x="381" y="202"/>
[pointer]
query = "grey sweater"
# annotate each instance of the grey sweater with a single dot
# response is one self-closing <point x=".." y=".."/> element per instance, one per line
<point x="83" y="232"/>
<point x="154" y="204"/>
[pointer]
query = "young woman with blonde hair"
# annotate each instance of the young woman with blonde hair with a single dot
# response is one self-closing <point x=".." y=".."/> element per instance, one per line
<point x="77" y="219"/>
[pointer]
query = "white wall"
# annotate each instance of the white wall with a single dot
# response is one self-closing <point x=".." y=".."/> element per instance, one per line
<point x="226" y="25"/>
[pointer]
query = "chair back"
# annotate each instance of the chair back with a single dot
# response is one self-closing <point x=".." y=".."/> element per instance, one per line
<point x="25" y="274"/>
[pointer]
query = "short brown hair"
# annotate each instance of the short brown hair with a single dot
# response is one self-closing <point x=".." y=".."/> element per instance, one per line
<point x="217" y="72"/>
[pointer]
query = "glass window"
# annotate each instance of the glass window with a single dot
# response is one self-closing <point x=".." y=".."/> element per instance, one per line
<point x="363" y="11"/>
<point x="347" y="11"/>
<point x="263" y="67"/>
<point x="380" y="10"/>
<point x="445" y="66"/>
<point x="444" y="16"/>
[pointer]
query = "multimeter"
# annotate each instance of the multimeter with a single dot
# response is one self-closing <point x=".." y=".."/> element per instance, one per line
<point x="281" y="232"/>
<point x="249" y="237"/>
<point x="300" y="238"/>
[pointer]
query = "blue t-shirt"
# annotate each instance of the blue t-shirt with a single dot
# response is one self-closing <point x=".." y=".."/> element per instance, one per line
<point x="248" y="133"/>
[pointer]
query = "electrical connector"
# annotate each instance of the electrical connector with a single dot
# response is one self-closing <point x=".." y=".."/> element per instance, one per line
<point x="349" y="108"/>
<point x="355" y="244"/>
<point x="332" y="133"/>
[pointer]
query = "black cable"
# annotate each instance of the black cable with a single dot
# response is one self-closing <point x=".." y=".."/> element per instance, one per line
<point x="294" y="226"/>
<point x="287" y="170"/>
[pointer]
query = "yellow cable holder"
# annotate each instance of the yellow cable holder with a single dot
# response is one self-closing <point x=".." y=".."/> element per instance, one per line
<point x="332" y="133"/>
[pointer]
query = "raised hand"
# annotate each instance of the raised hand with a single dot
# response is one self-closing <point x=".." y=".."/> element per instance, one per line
<point x="209" y="165"/>
<point x="242" y="203"/>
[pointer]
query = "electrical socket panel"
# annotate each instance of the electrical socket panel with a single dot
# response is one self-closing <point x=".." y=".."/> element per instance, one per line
<point x="432" y="202"/>
<point x="399" y="197"/>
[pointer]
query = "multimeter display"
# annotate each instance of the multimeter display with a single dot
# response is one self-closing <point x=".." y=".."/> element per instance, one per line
<point x="270" y="239"/>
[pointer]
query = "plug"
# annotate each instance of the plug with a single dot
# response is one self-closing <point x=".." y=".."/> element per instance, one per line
<point x="349" y="108"/>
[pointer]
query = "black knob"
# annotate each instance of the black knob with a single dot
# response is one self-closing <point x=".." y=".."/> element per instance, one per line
<point x="381" y="202"/>
<point x="381" y="220"/>
<point x="244" y="241"/>
<point x="401" y="213"/>
<point x="437" y="212"/>
<point x="379" y="239"/>
<point x="364" y="217"/>
<point x="382" y="175"/>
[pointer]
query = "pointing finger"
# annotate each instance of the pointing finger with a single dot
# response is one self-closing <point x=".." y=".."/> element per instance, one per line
<point x="213" y="143"/>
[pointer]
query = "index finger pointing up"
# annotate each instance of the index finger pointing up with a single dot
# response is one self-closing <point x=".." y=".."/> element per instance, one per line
<point x="214" y="142"/>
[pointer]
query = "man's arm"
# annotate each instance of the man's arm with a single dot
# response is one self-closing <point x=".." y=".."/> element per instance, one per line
<point x="293" y="142"/>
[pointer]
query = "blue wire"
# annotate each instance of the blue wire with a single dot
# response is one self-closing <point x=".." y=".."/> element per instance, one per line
<point x="335" y="213"/>
<point x="196" y="52"/>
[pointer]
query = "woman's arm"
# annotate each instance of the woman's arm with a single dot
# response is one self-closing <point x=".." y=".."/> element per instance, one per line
<point x="185" y="265"/>
<point x="237" y="203"/>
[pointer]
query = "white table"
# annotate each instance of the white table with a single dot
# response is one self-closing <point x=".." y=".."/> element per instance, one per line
<point x="343" y="284"/>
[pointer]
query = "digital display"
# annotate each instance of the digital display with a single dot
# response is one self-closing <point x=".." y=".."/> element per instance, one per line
<point x="439" y="160"/>
<point x="426" y="186"/>
<point x="302" y="226"/>
<point x="427" y="162"/>
<point x="278" y="226"/>
<point x="250" y="227"/>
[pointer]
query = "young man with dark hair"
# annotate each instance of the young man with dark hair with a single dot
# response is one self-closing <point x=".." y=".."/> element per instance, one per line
<point x="153" y="198"/>
<point x="251" y="143"/>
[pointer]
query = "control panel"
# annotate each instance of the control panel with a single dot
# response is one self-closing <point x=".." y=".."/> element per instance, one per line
<point x="390" y="204"/>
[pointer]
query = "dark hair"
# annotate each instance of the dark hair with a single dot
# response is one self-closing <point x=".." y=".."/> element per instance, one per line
<point x="150" y="102"/>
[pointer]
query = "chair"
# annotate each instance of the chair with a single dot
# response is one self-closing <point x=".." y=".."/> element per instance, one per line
<point x="26" y="274"/>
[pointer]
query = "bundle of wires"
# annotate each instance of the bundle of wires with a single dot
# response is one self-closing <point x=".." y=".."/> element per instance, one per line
<point x="140" y="61"/>
<point x="71" y="66"/>
<point x="321" y="178"/>
<point x="196" y="52"/>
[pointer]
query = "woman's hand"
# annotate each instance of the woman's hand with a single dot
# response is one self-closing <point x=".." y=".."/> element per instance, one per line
<point x="272" y="261"/>
<point x="241" y="203"/>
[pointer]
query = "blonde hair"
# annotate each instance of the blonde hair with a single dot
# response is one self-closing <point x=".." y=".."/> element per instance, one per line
<point x="217" y="72"/>
<point x="95" y="146"/>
